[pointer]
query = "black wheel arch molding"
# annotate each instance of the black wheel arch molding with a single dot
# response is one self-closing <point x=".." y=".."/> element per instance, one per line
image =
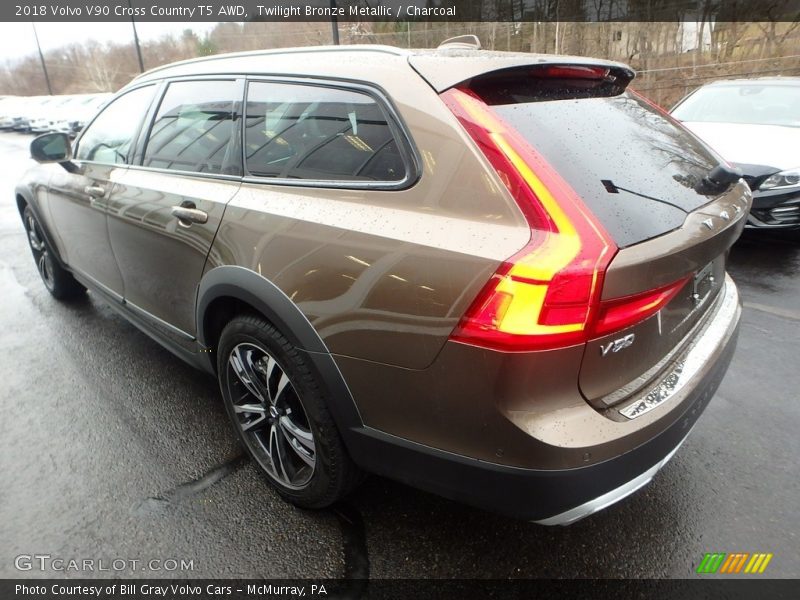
<point x="248" y="287"/>
<point x="22" y="191"/>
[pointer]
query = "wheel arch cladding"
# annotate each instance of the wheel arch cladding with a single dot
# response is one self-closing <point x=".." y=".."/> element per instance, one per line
<point x="230" y="287"/>
<point x="24" y="202"/>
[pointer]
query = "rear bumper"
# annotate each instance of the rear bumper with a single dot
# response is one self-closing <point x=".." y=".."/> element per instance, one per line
<point x="611" y="497"/>
<point x="552" y="496"/>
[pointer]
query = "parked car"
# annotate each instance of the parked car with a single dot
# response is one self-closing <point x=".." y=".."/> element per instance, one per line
<point x="499" y="277"/>
<point x="21" y="117"/>
<point x="31" y="109"/>
<point x="755" y="125"/>
<point x="44" y="119"/>
<point x="11" y="113"/>
<point x="8" y="110"/>
<point x="80" y="112"/>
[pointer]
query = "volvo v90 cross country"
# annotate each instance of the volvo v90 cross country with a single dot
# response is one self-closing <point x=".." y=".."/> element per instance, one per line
<point x="499" y="277"/>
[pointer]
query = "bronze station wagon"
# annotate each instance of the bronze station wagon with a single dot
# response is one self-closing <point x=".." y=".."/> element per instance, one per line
<point x="498" y="277"/>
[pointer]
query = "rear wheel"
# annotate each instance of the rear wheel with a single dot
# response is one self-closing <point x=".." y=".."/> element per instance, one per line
<point x="58" y="281"/>
<point x="280" y="413"/>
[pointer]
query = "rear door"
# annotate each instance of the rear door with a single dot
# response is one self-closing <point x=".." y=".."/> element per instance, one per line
<point x="165" y="211"/>
<point x="690" y="262"/>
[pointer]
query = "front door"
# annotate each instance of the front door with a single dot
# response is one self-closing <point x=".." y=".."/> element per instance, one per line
<point x="78" y="198"/>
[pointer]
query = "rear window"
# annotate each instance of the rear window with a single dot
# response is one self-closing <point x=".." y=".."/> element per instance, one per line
<point x="633" y="167"/>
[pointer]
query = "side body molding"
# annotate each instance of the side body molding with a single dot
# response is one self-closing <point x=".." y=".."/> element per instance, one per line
<point x="248" y="286"/>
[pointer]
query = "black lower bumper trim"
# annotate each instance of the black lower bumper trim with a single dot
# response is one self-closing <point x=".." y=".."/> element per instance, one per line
<point x="526" y="493"/>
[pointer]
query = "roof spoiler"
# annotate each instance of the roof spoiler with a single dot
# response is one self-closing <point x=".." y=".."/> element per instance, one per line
<point x="454" y="65"/>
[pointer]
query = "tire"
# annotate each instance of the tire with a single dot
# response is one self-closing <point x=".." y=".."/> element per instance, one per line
<point x="58" y="281"/>
<point x="280" y="414"/>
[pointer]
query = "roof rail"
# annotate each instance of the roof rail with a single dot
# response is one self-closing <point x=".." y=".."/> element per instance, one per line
<point x="467" y="42"/>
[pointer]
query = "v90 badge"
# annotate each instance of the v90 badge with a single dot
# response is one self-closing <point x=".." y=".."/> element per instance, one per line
<point x="617" y="345"/>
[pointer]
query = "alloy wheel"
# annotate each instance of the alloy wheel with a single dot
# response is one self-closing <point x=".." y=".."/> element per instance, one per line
<point x="271" y="416"/>
<point x="44" y="262"/>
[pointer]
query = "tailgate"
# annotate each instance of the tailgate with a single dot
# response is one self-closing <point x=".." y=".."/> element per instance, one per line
<point x="616" y="366"/>
<point x="667" y="202"/>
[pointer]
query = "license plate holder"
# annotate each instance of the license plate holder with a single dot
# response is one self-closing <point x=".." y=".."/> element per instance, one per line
<point x="703" y="283"/>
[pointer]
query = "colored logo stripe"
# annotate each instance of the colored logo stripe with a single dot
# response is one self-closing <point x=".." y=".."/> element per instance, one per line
<point x="758" y="563"/>
<point x="734" y="562"/>
<point x="711" y="562"/>
<point x="721" y="562"/>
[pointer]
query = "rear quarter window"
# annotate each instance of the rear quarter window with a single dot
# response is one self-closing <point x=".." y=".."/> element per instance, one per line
<point x="317" y="133"/>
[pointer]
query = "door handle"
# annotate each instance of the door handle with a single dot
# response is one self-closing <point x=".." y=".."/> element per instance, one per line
<point x="186" y="216"/>
<point x="95" y="191"/>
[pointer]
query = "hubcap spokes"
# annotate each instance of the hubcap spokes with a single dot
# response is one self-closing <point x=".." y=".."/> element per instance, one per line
<point x="270" y="414"/>
<point x="45" y="268"/>
<point x="33" y="235"/>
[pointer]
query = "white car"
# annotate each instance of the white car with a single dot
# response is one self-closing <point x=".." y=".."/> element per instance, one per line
<point x="44" y="120"/>
<point x="755" y="125"/>
<point x="8" y="111"/>
<point x="80" y="112"/>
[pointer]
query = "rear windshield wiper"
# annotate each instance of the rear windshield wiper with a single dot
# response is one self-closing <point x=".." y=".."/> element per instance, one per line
<point x="613" y="188"/>
<point x="718" y="179"/>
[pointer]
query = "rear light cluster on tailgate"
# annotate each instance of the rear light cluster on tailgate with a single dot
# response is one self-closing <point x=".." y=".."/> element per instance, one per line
<point x="548" y="294"/>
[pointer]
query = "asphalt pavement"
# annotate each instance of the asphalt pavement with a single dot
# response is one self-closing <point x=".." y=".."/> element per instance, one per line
<point x="113" y="449"/>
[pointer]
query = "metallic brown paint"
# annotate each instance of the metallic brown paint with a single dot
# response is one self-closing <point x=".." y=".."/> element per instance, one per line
<point x="384" y="276"/>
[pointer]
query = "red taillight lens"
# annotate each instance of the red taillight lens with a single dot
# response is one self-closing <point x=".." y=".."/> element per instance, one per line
<point x="619" y="313"/>
<point x="547" y="294"/>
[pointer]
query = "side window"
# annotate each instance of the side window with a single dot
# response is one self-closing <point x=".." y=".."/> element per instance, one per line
<point x="318" y="133"/>
<point x="108" y="138"/>
<point x="194" y="128"/>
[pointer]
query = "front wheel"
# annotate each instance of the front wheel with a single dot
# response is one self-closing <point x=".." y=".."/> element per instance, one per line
<point x="280" y="413"/>
<point x="58" y="281"/>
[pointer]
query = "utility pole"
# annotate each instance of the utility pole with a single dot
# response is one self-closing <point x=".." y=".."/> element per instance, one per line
<point x="136" y="40"/>
<point x="334" y="24"/>
<point x="41" y="58"/>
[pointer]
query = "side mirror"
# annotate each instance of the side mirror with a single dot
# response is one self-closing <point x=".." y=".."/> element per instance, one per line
<point x="51" y="147"/>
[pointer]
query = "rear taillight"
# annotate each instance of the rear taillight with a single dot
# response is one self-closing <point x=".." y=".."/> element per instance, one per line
<point x="547" y="295"/>
<point x="620" y="313"/>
